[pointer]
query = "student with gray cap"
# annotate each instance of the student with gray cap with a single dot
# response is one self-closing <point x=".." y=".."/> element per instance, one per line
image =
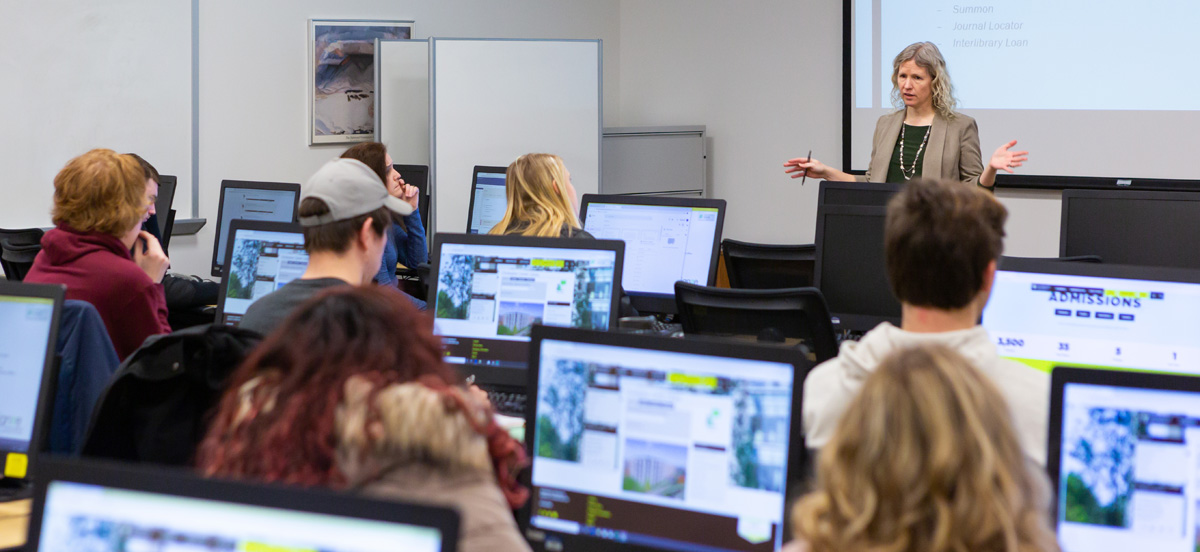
<point x="344" y="212"/>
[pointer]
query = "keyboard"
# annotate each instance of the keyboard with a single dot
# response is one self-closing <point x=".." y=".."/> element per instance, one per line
<point x="509" y="402"/>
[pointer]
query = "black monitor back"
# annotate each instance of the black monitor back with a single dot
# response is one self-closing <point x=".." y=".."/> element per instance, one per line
<point x="166" y="197"/>
<point x="1132" y="227"/>
<point x="850" y="270"/>
<point x="418" y="175"/>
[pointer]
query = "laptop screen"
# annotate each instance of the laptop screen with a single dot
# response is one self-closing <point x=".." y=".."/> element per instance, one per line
<point x="489" y="296"/>
<point x="663" y="243"/>
<point x="261" y="262"/>
<point x="666" y="450"/>
<point x="488" y="201"/>
<point x="1044" y="319"/>
<point x="24" y="342"/>
<point x="1127" y="472"/>
<point x="79" y="516"/>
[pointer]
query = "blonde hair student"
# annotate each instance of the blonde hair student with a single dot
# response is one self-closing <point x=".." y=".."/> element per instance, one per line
<point x="541" y="199"/>
<point x="925" y="459"/>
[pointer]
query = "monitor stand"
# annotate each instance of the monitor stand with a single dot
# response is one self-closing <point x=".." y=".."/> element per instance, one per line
<point x="15" y="489"/>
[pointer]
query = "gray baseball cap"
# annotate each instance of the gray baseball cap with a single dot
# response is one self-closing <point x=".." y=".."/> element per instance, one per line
<point x="349" y="188"/>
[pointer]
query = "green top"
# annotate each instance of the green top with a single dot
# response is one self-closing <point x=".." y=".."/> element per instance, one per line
<point x="913" y="136"/>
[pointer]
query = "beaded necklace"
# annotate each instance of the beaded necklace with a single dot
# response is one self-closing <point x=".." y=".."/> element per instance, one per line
<point x="905" y="172"/>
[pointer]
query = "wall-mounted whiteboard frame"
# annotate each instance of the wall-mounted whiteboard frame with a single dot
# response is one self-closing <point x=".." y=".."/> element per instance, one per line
<point x="494" y="100"/>
<point x="402" y="99"/>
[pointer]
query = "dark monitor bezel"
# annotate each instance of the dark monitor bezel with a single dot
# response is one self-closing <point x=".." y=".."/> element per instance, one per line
<point x="1100" y="270"/>
<point x="662" y="302"/>
<point x="253" y="185"/>
<point x="39" y="439"/>
<point x="474" y="179"/>
<point x="183" y="484"/>
<point x="242" y="224"/>
<point x="797" y="463"/>
<point x="1060" y="376"/>
<point x="515" y="377"/>
<point x="162" y="207"/>
<point x="869" y="189"/>
<point x="1121" y="196"/>
<point x="846" y="320"/>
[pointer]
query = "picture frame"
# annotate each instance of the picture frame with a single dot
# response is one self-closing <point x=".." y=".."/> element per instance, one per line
<point x="341" y="77"/>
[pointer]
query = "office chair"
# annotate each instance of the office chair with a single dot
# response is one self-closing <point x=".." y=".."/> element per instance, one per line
<point x="18" y="249"/>
<point x="768" y="314"/>
<point x="766" y="266"/>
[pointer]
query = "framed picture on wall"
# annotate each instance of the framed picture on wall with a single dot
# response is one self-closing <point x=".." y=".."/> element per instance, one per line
<point x="341" y="77"/>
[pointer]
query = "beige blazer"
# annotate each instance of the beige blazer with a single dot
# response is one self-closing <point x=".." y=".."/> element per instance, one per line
<point x="952" y="152"/>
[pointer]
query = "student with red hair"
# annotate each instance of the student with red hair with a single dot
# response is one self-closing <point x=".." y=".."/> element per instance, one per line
<point x="351" y="393"/>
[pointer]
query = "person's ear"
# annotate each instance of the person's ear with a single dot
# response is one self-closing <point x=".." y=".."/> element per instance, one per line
<point x="555" y="184"/>
<point x="365" y="233"/>
<point x="989" y="276"/>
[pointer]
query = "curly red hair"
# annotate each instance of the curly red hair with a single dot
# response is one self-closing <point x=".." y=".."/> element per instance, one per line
<point x="276" y="420"/>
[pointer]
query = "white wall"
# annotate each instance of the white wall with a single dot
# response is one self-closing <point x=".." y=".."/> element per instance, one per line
<point x="764" y="76"/>
<point x="79" y="75"/>
<point x="253" y="72"/>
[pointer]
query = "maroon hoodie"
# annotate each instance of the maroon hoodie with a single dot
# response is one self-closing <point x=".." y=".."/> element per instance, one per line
<point x="97" y="268"/>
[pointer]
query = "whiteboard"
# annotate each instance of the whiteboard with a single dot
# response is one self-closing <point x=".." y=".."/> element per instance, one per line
<point x="402" y="99"/>
<point x="497" y="99"/>
<point x="80" y="76"/>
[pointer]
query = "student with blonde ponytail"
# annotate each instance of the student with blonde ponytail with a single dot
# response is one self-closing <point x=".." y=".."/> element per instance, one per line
<point x="925" y="459"/>
<point x="541" y="199"/>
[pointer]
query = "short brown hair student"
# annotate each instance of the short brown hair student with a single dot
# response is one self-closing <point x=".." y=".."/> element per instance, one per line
<point x="351" y="393"/>
<point x="541" y="199"/>
<point x="925" y="459"/>
<point x="942" y="241"/>
<point x="98" y="250"/>
<point x="344" y="210"/>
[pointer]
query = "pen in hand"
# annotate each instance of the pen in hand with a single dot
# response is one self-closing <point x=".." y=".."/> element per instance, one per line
<point x="807" y="160"/>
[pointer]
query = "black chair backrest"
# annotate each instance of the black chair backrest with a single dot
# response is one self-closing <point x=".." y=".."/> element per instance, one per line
<point x="18" y="248"/>
<point x="766" y="266"/>
<point x="768" y="314"/>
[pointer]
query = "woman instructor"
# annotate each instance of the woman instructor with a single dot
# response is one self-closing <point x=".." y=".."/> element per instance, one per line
<point x="927" y="138"/>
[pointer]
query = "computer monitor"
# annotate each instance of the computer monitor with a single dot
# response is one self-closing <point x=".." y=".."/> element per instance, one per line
<point x="667" y="239"/>
<point x="29" y="316"/>
<point x="488" y="199"/>
<point x="877" y="194"/>
<point x="162" y="207"/>
<point x="1123" y="458"/>
<point x="240" y="200"/>
<point x="418" y="175"/>
<point x="654" y="443"/>
<point x="850" y="269"/>
<point x="105" y="507"/>
<point x="1131" y="227"/>
<point x="489" y="291"/>
<point x="1045" y="313"/>
<point x="264" y="257"/>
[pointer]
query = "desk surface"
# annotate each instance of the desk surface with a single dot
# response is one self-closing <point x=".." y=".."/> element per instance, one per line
<point x="14" y="522"/>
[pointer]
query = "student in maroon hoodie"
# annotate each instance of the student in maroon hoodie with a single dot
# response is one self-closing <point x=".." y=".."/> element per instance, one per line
<point x="101" y="199"/>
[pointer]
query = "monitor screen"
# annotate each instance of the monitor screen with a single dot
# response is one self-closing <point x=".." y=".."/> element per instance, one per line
<point x="1127" y="470"/>
<point x="24" y="343"/>
<point x="1129" y="228"/>
<point x="1046" y="319"/>
<point x="661" y="449"/>
<point x="488" y="200"/>
<point x="79" y="516"/>
<point x="488" y="296"/>
<point x="261" y="262"/>
<point x="272" y="202"/>
<point x="850" y="268"/>
<point x="663" y="243"/>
